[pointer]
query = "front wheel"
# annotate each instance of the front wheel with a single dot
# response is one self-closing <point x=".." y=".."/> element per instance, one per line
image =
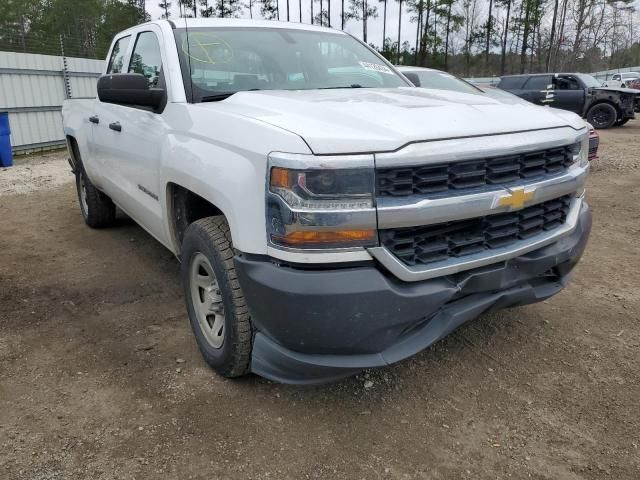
<point x="602" y="115"/>
<point x="217" y="309"/>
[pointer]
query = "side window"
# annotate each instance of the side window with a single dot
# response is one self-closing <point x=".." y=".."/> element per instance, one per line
<point x="116" y="61"/>
<point x="146" y="59"/>
<point x="567" y="83"/>
<point x="511" y="83"/>
<point x="617" y="77"/>
<point x="539" y="82"/>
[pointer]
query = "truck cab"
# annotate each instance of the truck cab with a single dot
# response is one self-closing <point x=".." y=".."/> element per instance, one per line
<point x="328" y="215"/>
<point x="603" y="107"/>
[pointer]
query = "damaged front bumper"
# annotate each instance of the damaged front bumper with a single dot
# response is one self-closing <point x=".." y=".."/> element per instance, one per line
<point x="316" y="326"/>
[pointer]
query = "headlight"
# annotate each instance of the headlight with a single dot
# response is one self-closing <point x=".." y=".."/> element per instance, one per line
<point x="580" y="151"/>
<point x="583" y="155"/>
<point x="321" y="202"/>
<point x="349" y="188"/>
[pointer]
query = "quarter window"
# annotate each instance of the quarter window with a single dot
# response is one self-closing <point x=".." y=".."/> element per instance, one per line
<point x="511" y="83"/>
<point x="146" y="58"/>
<point x="116" y="61"/>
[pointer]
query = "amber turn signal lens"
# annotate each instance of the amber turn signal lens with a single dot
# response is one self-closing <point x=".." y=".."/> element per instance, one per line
<point x="279" y="177"/>
<point x="321" y="238"/>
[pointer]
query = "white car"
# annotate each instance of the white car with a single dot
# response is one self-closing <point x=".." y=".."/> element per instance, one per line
<point x="329" y="216"/>
<point x="437" y="79"/>
<point x="430" y="78"/>
<point x="621" y="80"/>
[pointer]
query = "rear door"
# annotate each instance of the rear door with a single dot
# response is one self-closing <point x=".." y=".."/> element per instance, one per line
<point x="538" y="89"/>
<point x="101" y="117"/>
<point x="513" y="85"/>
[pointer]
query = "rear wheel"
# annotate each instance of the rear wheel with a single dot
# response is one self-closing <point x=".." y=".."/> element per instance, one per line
<point x="621" y="122"/>
<point x="97" y="208"/>
<point x="602" y="115"/>
<point x="217" y="309"/>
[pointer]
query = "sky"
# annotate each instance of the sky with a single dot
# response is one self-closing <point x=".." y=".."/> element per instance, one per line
<point x="374" y="30"/>
<point x="374" y="26"/>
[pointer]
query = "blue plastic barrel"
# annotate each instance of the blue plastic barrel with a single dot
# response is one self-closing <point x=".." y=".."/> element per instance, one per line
<point x="6" y="158"/>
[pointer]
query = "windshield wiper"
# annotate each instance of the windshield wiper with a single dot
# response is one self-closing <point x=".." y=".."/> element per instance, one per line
<point x="217" y="97"/>
<point x="224" y="95"/>
<point x="353" y="85"/>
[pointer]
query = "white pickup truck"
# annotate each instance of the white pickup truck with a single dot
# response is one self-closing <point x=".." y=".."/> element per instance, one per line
<point x="329" y="216"/>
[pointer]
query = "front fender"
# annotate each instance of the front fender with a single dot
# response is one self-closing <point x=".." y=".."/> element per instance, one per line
<point x="227" y="166"/>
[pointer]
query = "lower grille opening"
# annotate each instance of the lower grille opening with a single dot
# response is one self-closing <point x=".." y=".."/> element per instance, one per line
<point x="423" y="245"/>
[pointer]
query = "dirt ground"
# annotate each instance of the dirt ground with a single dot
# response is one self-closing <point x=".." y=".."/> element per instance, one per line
<point x="101" y="378"/>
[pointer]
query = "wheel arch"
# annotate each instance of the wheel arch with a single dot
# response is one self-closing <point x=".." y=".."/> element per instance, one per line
<point x="75" y="159"/>
<point x="185" y="206"/>
<point x="608" y="101"/>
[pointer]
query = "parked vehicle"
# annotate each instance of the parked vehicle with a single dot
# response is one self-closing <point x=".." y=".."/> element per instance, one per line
<point x="328" y="215"/>
<point x="602" y="107"/>
<point x="436" y="79"/>
<point x="634" y="84"/>
<point x="621" y="80"/>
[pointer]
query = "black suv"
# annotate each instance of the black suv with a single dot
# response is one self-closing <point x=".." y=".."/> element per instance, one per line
<point x="603" y="107"/>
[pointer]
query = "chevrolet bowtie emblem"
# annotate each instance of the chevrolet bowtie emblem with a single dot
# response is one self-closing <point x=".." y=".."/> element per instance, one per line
<point x="516" y="198"/>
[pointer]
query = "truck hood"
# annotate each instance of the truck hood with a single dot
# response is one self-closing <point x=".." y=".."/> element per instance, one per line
<point x="377" y="120"/>
<point x="631" y="91"/>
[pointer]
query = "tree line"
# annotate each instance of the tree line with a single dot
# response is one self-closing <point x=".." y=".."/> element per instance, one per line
<point x="467" y="37"/>
<point x="82" y="28"/>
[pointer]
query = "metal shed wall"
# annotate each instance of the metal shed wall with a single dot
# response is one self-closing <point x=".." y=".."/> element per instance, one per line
<point x="32" y="89"/>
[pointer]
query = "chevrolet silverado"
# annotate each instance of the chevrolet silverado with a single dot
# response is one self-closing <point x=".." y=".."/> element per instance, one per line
<point x="328" y="215"/>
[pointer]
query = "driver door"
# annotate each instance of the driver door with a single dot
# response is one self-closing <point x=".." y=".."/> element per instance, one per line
<point x="569" y="94"/>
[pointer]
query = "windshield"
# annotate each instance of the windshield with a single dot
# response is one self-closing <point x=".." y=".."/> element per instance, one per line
<point x="589" y="81"/>
<point x="442" y="81"/>
<point x="227" y="60"/>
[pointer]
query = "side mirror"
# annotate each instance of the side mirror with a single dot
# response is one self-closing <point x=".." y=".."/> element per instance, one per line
<point x="413" y="78"/>
<point x="129" y="89"/>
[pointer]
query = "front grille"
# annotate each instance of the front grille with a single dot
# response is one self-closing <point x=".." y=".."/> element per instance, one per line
<point x="444" y="177"/>
<point x="432" y="243"/>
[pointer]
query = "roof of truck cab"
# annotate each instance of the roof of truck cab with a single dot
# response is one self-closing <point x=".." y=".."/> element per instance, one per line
<point x="542" y="74"/>
<point x="247" y="23"/>
<point x="411" y="68"/>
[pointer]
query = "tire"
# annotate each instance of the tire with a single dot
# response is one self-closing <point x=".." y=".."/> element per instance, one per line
<point x="621" y="122"/>
<point x="602" y="115"/>
<point x="212" y="290"/>
<point x="97" y="208"/>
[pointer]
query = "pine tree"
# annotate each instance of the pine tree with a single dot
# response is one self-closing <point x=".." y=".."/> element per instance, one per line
<point x="166" y="6"/>
<point x="269" y="9"/>
<point x="361" y="10"/>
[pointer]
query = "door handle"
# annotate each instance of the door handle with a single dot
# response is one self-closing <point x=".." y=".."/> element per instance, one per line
<point x="95" y="119"/>
<point x="115" y="126"/>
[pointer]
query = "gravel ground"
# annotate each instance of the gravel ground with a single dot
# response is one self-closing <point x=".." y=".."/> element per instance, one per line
<point x="36" y="172"/>
<point x="101" y="379"/>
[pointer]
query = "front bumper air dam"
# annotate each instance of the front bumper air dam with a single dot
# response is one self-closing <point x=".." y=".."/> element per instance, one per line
<point x="315" y="326"/>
